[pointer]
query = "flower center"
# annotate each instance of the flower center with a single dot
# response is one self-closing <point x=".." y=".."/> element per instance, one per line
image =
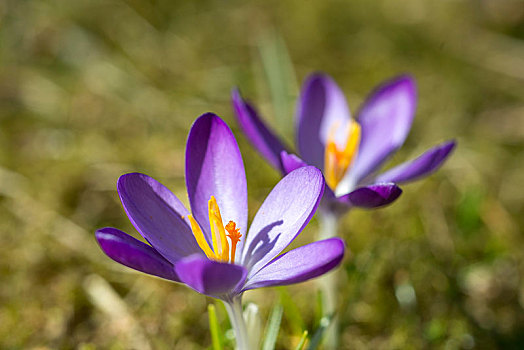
<point x="220" y="250"/>
<point x="336" y="160"/>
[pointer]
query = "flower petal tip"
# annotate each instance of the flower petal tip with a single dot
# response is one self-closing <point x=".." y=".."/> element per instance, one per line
<point x="256" y="131"/>
<point x="317" y="77"/>
<point x="449" y="145"/>
<point x="290" y="162"/>
<point x="236" y="99"/>
<point x="445" y="149"/>
<point x="125" y="178"/>
<point x="373" y="196"/>
<point x="420" y="167"/>
<point x="208" y="118"/>
<point x="403" y="81"/>
<point x="338" y="248"/>
<point x="133" y="253"/>
<point x="300" y="264"/>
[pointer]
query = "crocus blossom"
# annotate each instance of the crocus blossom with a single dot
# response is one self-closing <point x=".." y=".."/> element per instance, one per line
<point x="210" y="248"/>
<point x="349" y="151"/>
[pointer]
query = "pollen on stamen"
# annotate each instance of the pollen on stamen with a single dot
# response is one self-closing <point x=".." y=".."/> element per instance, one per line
<point x="337" y="161"/>
<point x="234" y="235"/>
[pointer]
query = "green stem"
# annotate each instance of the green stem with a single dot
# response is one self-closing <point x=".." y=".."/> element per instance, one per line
<point x="234" y="310"/>
<point x="328" y="283"/>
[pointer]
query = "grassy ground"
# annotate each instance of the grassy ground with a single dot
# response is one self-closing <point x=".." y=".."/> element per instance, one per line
<point x="92" y="89"/>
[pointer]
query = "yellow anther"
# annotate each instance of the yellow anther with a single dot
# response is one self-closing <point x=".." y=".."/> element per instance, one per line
<point x="234" y="235"/>
<point x="220" y="245"/>
<point x="337" y="161"/>
<point x="217" y="229"/>
<point x="199" y="235"/>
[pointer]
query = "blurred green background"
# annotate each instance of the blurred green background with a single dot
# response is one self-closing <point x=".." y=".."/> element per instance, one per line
<point x="92" y="89"/>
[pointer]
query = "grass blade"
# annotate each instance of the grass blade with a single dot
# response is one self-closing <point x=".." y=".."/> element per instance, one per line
<point x="272" y="328"/>
<point x="319" y="333"/>
<point x="214" y="327"/>
<point x="302" y="341"/>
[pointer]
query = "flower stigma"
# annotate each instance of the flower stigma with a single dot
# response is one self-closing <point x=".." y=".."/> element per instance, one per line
<point x="336" y="160"/>
<point x="234" y="235"/>
<point x="220" y="249"/>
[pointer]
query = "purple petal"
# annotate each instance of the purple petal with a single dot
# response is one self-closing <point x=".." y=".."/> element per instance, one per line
<point x="372" y="196"/>
<point x="282" y="216"/>
<point x="425" y="164"/>
<point x="158" y="215"/>
<point x="321" y="109"/>
<point x="299" y="264"/>
<point x="385" y="119"/>
<point x="214" y="167"/>
<point x="132" y="253"/>
<point x="291" y="162"/>
<point x="262" y="138"/>
<point x="210" y="277"/>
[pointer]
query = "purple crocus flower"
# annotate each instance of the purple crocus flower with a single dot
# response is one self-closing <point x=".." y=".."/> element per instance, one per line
<point x="349" y="152"/>
<point x="210" y="248"/>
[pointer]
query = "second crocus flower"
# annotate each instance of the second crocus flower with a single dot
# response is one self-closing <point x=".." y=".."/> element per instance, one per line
<point x="349" y="151"/>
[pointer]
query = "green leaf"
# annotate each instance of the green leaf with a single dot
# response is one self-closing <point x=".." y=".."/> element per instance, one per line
<point x="272" y="328"/>
<point x="214" y="327"/>
<point x="302" y="341"/>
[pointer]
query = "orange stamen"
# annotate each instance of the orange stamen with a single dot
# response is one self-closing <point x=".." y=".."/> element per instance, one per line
<point x="336" y="161"/>
<point x="219" y="249"/>
<point x="234" y="235"/>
